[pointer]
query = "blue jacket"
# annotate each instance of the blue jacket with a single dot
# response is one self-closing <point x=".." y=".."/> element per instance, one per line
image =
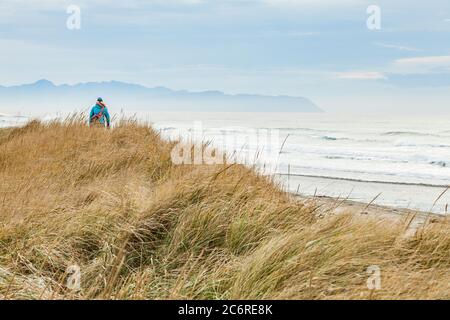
<point x="105" y="116"/>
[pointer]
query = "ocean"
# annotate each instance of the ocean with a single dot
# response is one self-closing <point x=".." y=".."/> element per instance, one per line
<point x="400" y="161"/>
<point x="11" y="121"/>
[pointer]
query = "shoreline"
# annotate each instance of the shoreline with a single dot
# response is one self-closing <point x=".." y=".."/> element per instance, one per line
<point x="397" y="197"/>
<point x="399" y="183"/>
<point x="368" y="209"/>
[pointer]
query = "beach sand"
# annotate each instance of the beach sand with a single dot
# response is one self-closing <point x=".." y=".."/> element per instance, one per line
<point x="399" y="197"/>
<point x="412" y="219"/>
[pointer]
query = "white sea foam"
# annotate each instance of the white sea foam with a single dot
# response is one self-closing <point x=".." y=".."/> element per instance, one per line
<point x="11" y="121"/>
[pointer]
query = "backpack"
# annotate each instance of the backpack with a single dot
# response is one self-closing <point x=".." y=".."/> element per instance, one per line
<point x="99" y="115"/>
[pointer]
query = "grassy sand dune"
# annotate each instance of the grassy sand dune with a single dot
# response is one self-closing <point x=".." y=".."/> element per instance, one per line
<point x="138" y="227"/>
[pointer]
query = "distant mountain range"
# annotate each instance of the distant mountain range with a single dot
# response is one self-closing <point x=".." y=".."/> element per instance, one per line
<point x="44" y="95"/>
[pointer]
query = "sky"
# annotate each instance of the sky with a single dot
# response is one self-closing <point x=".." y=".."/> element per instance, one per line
<point x="323" y="50"/>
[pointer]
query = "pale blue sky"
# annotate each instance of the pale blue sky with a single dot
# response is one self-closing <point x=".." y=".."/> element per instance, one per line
<point x="318" y="49"/>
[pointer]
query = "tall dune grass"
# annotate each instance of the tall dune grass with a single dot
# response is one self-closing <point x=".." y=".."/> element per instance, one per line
<point x="139" y="227"/>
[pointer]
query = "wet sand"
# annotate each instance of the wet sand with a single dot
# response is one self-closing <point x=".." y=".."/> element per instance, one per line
<point x="413" y="219"/>
<point x="396" y="196"/>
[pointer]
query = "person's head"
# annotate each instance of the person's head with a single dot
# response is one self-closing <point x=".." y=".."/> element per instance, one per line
<point x="99" y="100"/>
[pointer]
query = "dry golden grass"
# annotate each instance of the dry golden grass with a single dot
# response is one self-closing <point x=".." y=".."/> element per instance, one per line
<point x="140" y="227"/>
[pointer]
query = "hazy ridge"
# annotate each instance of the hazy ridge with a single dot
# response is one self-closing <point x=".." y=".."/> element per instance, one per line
<point x="127" y="96"/>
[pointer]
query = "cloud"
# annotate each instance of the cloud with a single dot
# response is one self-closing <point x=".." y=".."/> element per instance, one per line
<point x="46" y="5"/>
<point x="361" y="75"/>
<point x="428" y="80"/>
<point x="312" y="3"/>
<point x="56" y="5"/>
<point x="397" y="47"/>
<point x="429" y="62"/>
<point x="291" y="33"/>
